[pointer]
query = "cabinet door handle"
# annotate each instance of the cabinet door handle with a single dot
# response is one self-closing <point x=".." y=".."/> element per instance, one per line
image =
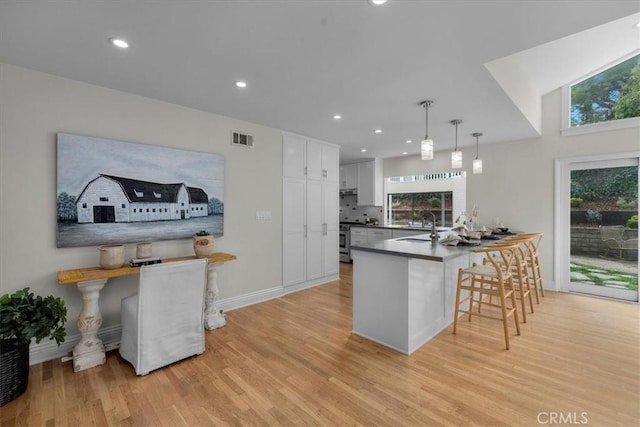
<point x="305" y="231"/>
<point x="324" y="173"/>
<point x="324" y="229"/>
<point x="305" y="170"/>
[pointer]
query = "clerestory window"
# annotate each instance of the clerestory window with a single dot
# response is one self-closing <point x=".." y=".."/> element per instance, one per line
<point x="611" y="95"/>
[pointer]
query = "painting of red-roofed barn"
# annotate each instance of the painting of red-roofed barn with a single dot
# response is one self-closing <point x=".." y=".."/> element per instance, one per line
<point x="122" y="192"/>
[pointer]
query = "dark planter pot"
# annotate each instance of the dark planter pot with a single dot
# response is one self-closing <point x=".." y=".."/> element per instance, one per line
<point x="14" y="369"/>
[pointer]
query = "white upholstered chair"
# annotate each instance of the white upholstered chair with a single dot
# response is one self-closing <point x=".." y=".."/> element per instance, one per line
<point x="164" y="322"/>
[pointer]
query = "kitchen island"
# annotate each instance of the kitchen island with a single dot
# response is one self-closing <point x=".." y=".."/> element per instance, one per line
<point x="404" y="289"/>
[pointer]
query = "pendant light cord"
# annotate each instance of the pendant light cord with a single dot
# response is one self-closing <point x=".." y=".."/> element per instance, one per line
<point x="477" y="136"/>
<point x="426" y="105"/>
<point x="426" y="110"/>
<point x="456" y="136"/>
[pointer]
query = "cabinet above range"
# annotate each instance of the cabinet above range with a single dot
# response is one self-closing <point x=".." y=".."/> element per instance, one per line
<point x="349" y="176"/>
<point x="363" y="179"/>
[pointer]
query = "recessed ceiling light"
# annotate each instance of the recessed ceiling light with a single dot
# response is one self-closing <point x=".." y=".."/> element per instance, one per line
<point x="409" y="141"/>
<point x="364" y="150"/>
<point x="377" y="2"/>
<point x="404" y="153"/>
<point x="241" y="84"/>
<point x="337" y="117"/>
<point x="122" y="44"/>
<point x="378" y="131"/>
<point x="637" y="25"/>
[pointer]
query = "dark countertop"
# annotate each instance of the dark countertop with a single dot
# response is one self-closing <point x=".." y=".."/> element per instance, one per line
<point x="417" y="249"/>
<point x="399" y="227"/>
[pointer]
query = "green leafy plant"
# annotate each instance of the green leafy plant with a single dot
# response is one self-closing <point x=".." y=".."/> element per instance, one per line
<point x="605" y="184"/>
<point x="435" y="202"/>
<point x="203" y="233"/>
<point x="623" y="204"/>
<point x="576" y="202"/>
<point x="633" y="222"/>
<point x="24" y="316"/>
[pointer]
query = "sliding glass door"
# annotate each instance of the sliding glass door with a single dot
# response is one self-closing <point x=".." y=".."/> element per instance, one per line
<point x="598" y="211"/>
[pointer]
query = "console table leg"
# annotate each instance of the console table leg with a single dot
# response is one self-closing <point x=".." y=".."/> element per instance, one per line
<point x="213" y="317"/>
<point x="89" y="352"/>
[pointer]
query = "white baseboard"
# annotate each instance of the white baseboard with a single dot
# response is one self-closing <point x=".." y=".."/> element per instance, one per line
<point x="310" y="284"/>
<point x="110" y="336"/>
<point x="245" y="300"/>
<point x="49" y="350"/>
<point x="549" y="284"/>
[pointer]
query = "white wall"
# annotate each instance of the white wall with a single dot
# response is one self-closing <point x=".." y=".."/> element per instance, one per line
<point x="34" y="106"/>
<point x="517" y="183"/>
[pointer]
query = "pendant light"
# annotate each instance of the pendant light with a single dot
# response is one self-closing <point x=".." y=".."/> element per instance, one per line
<point x="477" y="163"/>
<point x="426" y="146"/>
<point x="456" y="155"/>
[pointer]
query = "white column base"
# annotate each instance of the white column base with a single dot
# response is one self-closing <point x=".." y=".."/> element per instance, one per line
<point x="214" y="320"/>
<point x="213" y="316"/>
<point x="89" y="352"/>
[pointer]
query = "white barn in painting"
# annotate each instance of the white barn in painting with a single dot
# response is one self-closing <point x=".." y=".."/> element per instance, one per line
<point x="110" y="198"/>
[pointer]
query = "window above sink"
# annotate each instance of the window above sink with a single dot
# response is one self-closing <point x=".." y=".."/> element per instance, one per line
<point x="410" y="201"/>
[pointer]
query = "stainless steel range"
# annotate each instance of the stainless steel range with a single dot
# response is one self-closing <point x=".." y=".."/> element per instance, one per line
<point x="345" y="246"/>
<point x="345" y="240"/>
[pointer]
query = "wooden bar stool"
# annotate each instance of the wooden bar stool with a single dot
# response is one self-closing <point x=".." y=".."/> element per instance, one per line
<point x="492" y="279"/>
<point x="520" y="274"/>
<point x="532" y="240"/>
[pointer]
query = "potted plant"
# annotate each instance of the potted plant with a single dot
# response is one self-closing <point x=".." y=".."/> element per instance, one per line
<point x="203" y="244"/>
<point x="23" y="317"/>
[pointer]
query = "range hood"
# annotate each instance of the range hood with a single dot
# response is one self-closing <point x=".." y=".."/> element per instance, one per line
<point x="348" y="192"/>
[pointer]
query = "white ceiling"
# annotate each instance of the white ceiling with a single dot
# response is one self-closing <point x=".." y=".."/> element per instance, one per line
<point x="306" y="60"/>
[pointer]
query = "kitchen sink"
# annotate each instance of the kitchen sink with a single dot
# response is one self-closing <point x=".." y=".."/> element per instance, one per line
<point x="428" y="227"/>
<point x="415" y="239"/>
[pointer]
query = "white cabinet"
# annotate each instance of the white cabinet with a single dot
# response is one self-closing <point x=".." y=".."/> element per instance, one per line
<point x="310" y="253"/>
<point x="361" y="235"/>
<point x="374" y="234"/>
<point x="294" y="157"/>
<point x="322" y="161"/>
<point x="358" y="236"/>
<point x="370" y="183"/>
<point x="294" y="231"/>
<point x="348" y="176"/>
<point x="322" y="229"/>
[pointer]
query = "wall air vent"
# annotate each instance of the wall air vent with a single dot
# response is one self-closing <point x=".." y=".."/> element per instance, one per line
<point x="241" y="139"/>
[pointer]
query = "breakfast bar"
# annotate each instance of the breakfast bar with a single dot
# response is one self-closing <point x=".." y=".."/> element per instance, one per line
<point x="404" y="290"/>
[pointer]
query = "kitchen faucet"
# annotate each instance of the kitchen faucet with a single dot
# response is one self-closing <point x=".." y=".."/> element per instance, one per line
<point x="434" y="233"/>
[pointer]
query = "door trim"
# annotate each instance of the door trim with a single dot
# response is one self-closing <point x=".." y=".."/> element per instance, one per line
<point x="562" y="212"/>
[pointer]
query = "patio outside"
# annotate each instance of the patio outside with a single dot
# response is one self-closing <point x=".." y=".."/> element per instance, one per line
<point x="604" y="227"/>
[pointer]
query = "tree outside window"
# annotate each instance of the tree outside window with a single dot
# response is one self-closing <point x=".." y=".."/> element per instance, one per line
<point x="410" y="209"/>
<point x="613" y="94"/>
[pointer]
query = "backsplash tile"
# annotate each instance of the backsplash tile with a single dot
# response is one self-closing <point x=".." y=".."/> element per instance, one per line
<point x="350" y="211"/>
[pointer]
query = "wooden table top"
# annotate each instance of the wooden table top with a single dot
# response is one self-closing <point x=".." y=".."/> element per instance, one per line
<point x="67" y="277"/>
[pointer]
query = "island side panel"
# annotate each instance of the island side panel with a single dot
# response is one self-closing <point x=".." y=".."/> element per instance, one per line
<point x="380" y="299"/>
<point x="426" y="301"/>
<point x="451" y="267"/>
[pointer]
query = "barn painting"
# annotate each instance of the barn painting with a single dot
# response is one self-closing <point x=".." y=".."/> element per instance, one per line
<point x="120" y="192"/>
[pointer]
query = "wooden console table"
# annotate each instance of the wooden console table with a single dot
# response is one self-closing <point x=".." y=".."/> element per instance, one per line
<point x="90" y="351"/>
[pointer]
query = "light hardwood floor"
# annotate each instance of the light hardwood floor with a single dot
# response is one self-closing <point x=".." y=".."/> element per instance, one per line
<point x="293" y="361"/>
